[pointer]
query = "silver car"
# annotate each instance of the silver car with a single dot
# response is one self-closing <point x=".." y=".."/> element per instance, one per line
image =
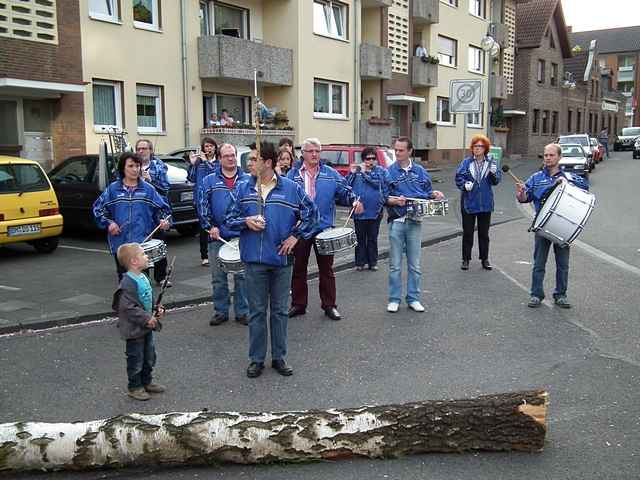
<point x="574" y="159"/>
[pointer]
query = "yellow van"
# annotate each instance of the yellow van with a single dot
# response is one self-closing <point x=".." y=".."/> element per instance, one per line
<point x="29" y="210"/>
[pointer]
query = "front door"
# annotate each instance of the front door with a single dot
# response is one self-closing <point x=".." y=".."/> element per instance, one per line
<point x="37" y="127"/>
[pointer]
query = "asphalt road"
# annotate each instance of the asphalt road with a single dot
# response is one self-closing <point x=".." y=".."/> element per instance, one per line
<point x="476" y="337"/>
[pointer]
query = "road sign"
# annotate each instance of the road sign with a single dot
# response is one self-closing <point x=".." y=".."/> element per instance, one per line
<point x="465" y="96"/>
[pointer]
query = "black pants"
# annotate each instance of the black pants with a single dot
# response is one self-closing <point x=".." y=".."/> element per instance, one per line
<point x="367" y="236"/>
<point x="468" y="225"/>
<point x="204" y="244"/>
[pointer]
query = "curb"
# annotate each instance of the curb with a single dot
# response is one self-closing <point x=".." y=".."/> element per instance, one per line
<point x="92" y="317"/>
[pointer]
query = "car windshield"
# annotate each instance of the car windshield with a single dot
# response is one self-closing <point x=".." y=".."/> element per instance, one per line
<point x="579" y="139"/>
<point x="631" y="132"/>
<point x="17" y="178"/>
<point x="573" y="151"/>
<point x="335" y="157"/>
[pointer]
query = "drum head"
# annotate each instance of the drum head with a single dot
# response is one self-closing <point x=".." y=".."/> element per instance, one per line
<point x="151" y="244"/>
<point x="334" y="233"/>
<point x="547" y="203"/>
<point x="228" y="253"/>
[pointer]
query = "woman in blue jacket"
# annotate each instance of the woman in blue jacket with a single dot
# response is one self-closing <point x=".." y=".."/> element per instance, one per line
<point x="476" y="176"/>
<point x="368" y="183"/>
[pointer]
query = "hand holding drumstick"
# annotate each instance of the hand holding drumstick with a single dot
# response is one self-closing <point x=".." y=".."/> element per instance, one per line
<point x="521" y="193"/>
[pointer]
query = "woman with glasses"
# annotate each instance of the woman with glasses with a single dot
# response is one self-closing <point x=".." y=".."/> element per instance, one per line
<point x="367" y="182"/>
<point x="476" y="176"/>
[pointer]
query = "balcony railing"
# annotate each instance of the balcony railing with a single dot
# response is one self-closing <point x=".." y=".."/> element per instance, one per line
<point x="375" y="132"/>
<point x="423" y="137"/>
<point x="424" y="74"/>
<point x="426" y="11"/>
<point x="221" y="56"/>
<point x="375" y="62"/>
<point x="244" y="136"/>
<point x="376" y="3"/>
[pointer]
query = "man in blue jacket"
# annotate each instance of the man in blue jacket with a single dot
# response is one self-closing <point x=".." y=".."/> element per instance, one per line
<point x="534" y="190"/>
<point x="213" y="200"/>
<point x="270" y="228"/>
<point x="129" y="208"/>
<point x="325" y="186"/>
<point x="406" y="179"/>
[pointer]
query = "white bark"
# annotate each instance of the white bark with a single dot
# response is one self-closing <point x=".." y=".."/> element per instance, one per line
<point x="205" y="437"/>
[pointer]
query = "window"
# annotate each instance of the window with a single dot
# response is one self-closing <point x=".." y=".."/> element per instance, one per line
<point x="330" y="19"/>
<point x="107" y="104"/>
<point x="329" y="99"/>
<point x="535" y="127"/>
<point x="478" y="8"/>
<point x="540" y="73"/>
<point x="453" y="3"/>
<point x="204" y="18"/>
<point x="578" y="121"/>
<point x="447" y="51"/>
<point x="104" y="10"/>
<point x="149" y="108"/>
<point x="443" y="113"/>
<point x="475" y="119"/>
<point x="569" y="121"/>
<point x="552" y="44"/>
<point x="545" y="122"/>
<point x="146" y="14"/>
<point x="476" y="59"/>
<point x="554" y="122"/>
<point x="231" y="21"/>
<point x="237" y="107"/>
<point x="554" y="74"/>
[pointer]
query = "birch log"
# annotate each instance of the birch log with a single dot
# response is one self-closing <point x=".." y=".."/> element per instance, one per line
<point x="502" y="422"/>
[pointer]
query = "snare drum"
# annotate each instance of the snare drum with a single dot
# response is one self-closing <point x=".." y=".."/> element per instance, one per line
<point x="155" y="249"/>
<point x="229" y="257"/>
<point x="334" y="240"/>
<point x="564" y="214"/>
<point x="418" y="208"/>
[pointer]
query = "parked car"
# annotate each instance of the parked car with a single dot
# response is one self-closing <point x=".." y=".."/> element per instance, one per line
<point x="341" y="156"/>
<point x="75" y="181"/>
<point x="636" y="148"/>
<point x="597" y="149"/>
<point x="574" y="159"/>
<point x="29" y="209"/>
<point x="626" y="139"/>
<point x="582" y="140"/>
<point x="183" y="153"/>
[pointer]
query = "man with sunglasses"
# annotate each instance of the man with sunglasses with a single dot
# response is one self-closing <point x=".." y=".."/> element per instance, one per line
<point x="368" y="183"/>
<point x="325" y="186"/>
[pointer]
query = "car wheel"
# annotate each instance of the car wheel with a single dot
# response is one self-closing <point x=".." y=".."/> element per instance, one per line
<point x="188" y="230"/>
<point x="46" y="245"/>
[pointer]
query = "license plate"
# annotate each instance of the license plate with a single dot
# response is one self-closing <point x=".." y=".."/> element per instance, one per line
<point x="24" y="230"/>
<point x="184" y="196"/>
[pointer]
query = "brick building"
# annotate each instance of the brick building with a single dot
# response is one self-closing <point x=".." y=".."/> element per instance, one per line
<point x="41" y="100"/>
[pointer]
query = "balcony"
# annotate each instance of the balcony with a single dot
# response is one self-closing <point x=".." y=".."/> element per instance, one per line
<point x="424" y="138"/>
<point x="375" y="62"/>
<point x="376" y="3"/>
<point x="221" y="56"/>
<point x="626" y="74"/>
<point x="426" y="11"/>
<point x="375" y="132"/>
<point x="499" y="31"/>
<point x="423" y="74"/>
<point x="498" y="87"/>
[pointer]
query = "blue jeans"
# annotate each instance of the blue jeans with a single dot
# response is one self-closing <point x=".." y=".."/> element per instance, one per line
<point x="141" y="358"/>
<point x="220" y="286"/>
<point x="540" y="254"/>
<point x="268" y="287"/>
<point x="405" y="237"/>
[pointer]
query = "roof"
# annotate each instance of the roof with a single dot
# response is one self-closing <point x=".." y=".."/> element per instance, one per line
<point x="532" y="19"/>
<point x="577" y="65"/>
<point x="624" y="39"/>
<point x="5" y="159"/>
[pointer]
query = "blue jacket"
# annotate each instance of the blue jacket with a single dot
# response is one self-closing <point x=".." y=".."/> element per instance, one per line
<point x="288" y="211"/>
<point x="159" y="179"/>
<point x="213" y="199"/>
<point x="199" y="170"/>
<point x="540" y="182"/>
<point x="480" y="198"/>
<point x="137" y="212"/>
<point x="371" y="188"/>
<point x="331" y="187"/>
<point x="415" y="183"/>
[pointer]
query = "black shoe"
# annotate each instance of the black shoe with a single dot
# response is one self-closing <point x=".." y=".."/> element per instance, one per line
<point x="255" y="369"/>
<point x="243" y="320"/>
<point x="296" y="310"/>
<point x="281" y="367"/>
<point x="486" y="265"/>
<point x="332" y="313"/>
<point x="465" y="265"/>
<point x="218" y="319"/>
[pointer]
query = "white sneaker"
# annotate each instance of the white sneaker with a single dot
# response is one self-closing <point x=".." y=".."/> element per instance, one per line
<point x="416" y="306"/>
<point x="393" y="307"/>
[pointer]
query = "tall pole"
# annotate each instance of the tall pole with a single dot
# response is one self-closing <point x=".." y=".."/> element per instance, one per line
<point x="258" y="168"/>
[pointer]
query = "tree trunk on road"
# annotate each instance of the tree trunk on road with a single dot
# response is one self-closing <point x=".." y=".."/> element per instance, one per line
<point x="502" y="422"/>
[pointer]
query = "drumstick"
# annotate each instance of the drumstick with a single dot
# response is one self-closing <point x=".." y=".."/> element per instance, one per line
<point x="507" y="169"/>
<point x="351" y="213"/>
<point x="228" y="243"/>
<point x="155" y="229"/>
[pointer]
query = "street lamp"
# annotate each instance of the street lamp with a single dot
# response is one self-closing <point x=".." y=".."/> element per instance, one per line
<point x="492" y="47"/>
